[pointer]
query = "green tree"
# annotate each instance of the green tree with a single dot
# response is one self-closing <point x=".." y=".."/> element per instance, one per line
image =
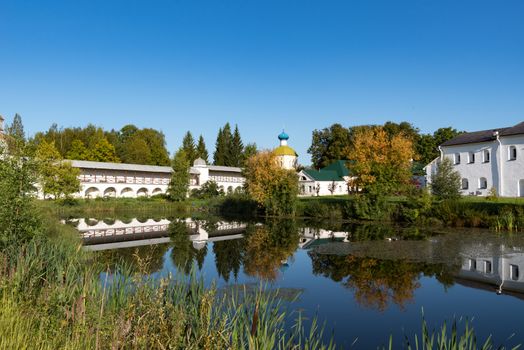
<point x="179" y="185"/>
<point x="273" y="188"/>
<point x="223" y="146"/>
<point x="78" y="151"/>
<point x="157" y="146"/>
<point x="329" y="144"/>
<point x="188" y="145"/>
<point x="18" y="221"/>
<point x="103" y="151"/>
<point x="135" y="150"/>
<point x="445" y="184"/>
<point x="236" y="149"/>
<point x="426" y="148"/>
<point x="250" y="150"/>
<point x="201" y="149"/>
<point x="16" y="129"/>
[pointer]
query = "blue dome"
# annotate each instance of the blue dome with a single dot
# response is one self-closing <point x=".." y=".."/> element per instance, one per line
<point x="283" y="136"/>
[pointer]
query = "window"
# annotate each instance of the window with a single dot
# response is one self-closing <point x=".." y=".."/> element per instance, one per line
<point x="471" y="157"/>
<point x="512" y="153"/>
<point x="472" y="264"/>
<point x="514" y="272"/>
<point x="457" y="158"/>
<point x="483" y="183"/>
<point x="465" y="184"/>
<point x="486" y="156"/>
<point x="487" y="267"/>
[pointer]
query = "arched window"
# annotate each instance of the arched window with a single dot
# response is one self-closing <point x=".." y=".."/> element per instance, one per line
<point x="483" y="183"/>
<point x="471" y="157"/>
<point x="486" y="156"/>
<point x="457" y="158"/>
<point x="465" y="184"/>
<point x="512" y="155"/>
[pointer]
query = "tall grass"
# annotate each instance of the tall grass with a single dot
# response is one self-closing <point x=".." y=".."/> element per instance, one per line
<point x="52" y="296"/>
<point x="447" y="338"/>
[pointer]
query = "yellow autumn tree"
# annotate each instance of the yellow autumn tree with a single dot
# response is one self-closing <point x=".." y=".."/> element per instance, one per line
<point x="272" y="187"/>
<point x="381" y="162"/>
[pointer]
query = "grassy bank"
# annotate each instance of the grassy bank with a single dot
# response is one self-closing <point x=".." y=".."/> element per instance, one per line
<point x="53" y="296"/>
<point x="499" y="215"/>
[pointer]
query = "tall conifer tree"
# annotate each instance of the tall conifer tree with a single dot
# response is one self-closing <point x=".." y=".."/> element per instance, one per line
<point x="188" y="145"/>
<point x="236" y="149"/>
<point x="201" y="149"/>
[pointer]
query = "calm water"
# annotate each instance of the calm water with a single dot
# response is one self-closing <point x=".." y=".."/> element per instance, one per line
<point x="364" y="281"/>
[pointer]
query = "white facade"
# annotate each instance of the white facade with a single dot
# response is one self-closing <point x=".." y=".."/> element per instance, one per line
<point x="100" y="179"/>
<point x="494" y="163"/>
<point x="285" y="155"/>
<point x="308" y="186"/>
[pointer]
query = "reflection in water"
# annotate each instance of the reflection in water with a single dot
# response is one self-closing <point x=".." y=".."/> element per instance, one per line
<point x="381" y="265"/>
<point x="268" y="247"/>
<point x="184" y="251"/>
<point x="375" y="282"/>
<point x="229" y="256"/>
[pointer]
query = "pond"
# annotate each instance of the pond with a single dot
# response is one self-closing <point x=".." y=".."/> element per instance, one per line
<point x="364" y="282"/>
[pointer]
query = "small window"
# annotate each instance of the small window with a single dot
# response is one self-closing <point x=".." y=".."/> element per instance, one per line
<point x="514" y="272"/>
<point x="465" y="184"/>
<point x="487" y="267"/>
<point x="472" y="264"/>
<point x="486" y="156"/>
<point x="483" y="183"/>
<point x="457" y="158"/>
<point x="471" y="157"/>
<point x="512" y="153"/>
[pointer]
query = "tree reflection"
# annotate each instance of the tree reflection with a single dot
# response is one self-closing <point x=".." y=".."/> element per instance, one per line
<point x="143" y="260"/>
<point x="377" y="283"/>
<point x="228" y="257"/>
<point x="268" y="246"/>
<point x="184" y="253"/>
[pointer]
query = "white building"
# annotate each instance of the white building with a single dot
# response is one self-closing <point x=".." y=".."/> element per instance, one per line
<point x="100" y="179"/>
<point x="487" y="159"/>
<point x="286" y="156"/>
<point x="331" y="180"/>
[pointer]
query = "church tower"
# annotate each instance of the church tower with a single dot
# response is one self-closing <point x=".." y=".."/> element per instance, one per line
<point x="286" y="156"/>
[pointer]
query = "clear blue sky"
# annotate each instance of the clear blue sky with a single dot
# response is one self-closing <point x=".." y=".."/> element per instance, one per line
<point x="179" y="65"/>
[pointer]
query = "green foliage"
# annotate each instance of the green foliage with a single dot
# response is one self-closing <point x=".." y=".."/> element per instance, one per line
<point x="445" y="184"/>
<point x="78" y="151"/>
<point x="446" y="339"/>
<point x="250" y="150"/>
<point x="56" y="177"/>
<point x="188" y="145"/>
<point x="222" y="146"/>
<point x="18" y="218"/>
<point x="201" y="150"/>
<point x="130" y="144"/>
<point x="283" y="195"/>
<point x="103" y="151"/>
<point x="208" y="190"/>
<point x="236" y="150"/>
<point x="16" y="129"/>
<point x="179" y="184"/>
<point x="328" y="145"/>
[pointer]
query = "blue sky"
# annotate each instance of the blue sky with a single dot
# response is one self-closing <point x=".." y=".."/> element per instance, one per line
<point x="194" y="65"/>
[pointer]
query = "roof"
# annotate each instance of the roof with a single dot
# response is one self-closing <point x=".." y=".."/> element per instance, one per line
<point x="283" y="136"/>
<point x="336" y="171"/>
<point x="120" y="166"/>
<point x="144" y="168"/>
<point x="484" y="135"/>
<point x="230" y="169"/>
<point x="285" y="151"/>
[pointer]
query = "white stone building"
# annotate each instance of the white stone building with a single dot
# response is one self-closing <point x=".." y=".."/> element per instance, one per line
<point x="100" y="179"/>
<point x="328" y="181"/>
<point x="486" y="159"/>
